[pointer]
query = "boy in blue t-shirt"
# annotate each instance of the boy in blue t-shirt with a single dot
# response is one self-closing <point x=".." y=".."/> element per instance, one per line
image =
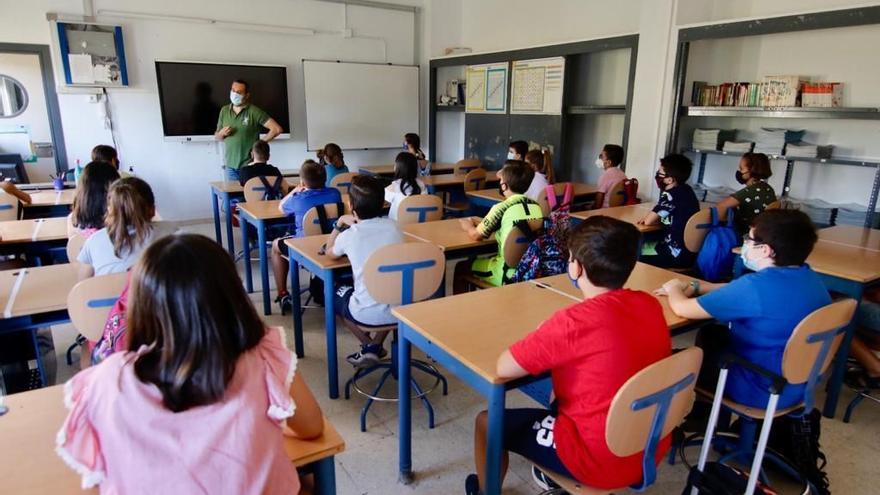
<point x="676" y="205"/>
<point x="310" y="193"/>
<point x="763" y="308"/>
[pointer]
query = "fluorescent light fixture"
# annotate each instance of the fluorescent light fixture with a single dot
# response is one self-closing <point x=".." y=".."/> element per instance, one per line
<point x="245" y="26"/>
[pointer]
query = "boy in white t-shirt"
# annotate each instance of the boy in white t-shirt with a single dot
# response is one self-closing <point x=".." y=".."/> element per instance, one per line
<point x="609" y="162"/>
<point x="358" y="236"/>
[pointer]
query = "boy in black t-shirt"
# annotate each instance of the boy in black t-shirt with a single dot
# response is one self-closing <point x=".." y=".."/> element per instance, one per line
<point x="675" y="207"/>
<point x="259" y="167"/>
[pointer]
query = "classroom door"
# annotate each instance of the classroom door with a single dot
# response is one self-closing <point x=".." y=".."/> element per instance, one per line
<point x="24" y="117"/>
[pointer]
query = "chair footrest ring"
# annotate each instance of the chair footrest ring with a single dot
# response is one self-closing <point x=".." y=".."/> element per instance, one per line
<point x="386" y="363"/>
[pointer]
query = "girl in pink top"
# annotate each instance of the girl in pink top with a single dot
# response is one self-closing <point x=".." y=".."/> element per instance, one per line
<point x="198" y="401"/>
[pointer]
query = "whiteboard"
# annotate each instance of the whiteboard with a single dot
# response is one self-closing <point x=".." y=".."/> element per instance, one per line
<point x="358" y="106"/>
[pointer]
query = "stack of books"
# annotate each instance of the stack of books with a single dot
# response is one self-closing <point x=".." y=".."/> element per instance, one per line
<point x="736" y="94"/>
<point x="803" y="149"/>
<point x="826" y="94"/>
<point x="771" y="141"/>
<point x="711" y="139"/>
<point x="738" y="146"/>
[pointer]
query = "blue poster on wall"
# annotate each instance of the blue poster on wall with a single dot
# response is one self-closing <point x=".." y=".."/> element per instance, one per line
<point x="92" y="54"/>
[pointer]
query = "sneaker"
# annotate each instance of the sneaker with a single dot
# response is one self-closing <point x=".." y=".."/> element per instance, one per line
<point x="542" y="480"/>
<point x="285" y="302"/>
<point x="472" y="485"/>
<point x="366" y="357"/>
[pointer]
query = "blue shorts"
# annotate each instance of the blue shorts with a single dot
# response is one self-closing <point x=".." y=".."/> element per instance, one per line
<point x="529" y="433"/>
<point x="869" y="318"/>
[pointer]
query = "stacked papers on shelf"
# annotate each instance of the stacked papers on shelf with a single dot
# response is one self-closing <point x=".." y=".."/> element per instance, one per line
<point x="803" y="149"/>
<point x="738" y="146"/>
<point x="772" y="141"/>
<point x="711" y="139"/>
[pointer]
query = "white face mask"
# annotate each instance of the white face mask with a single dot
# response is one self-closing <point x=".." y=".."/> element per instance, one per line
<point x="236" y="98"/>
<point x="600" y="164"/>
<point x="511" y="155"/>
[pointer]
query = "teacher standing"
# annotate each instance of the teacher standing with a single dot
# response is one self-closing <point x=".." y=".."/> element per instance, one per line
<point x="239" y="125"/>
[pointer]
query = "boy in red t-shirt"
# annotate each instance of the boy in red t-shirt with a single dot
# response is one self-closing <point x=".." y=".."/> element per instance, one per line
<point x="590" y="349"/>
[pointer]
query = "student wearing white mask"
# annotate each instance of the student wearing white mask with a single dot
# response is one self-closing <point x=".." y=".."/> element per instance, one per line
<point x="239" y="126"/>
<point x="608" y="162"/>
<point x="517" y="150"/>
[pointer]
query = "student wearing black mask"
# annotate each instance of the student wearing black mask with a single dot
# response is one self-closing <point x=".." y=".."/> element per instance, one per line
<point x="676" y="205"/>
<point x="753" y="199"/>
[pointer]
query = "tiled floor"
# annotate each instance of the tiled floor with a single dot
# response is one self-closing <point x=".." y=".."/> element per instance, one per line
<point x="442" y="457"/>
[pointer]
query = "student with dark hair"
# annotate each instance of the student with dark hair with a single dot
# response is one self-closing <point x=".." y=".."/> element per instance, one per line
<point x="412" y="144"/>
<point x="675" y="207"/>
<point x="310" y="193"/>
<point x="334" y="163"/>
<point x="608" y="162"/>
<point x="90" y="203"/>
<point x="406" y="182"/>
<point x="751" y="200"/>
<point x="762" y="308"/>
<point x="514" y="180"/>
<point x="201" y="393"/>
<point x="358" y="236"/>
<point x="539" y="161"/>
<point x="259" y="167"/>
<point x="517" y="150"/>
<point x="590" y="349"/>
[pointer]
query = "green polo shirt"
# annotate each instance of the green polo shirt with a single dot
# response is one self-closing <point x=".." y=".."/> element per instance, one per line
<point x="245" y="132"/>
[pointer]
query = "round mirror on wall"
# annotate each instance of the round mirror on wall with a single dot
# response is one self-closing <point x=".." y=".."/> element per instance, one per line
<point x="13" y="97"/>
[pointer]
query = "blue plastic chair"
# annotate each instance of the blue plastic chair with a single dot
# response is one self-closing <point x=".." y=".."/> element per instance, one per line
<point x="645" y="410"/>
<point x="397" y="275"/>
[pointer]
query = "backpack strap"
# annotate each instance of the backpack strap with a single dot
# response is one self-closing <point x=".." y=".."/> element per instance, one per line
<point x="271" y="190"/>
<point x="551" y="197"/>
<point x="567" y="195"/>
<point x="730" y="217"/>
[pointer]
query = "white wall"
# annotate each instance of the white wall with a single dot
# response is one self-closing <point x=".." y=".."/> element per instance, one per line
<point x="496" y="25"/>
<point x="179" y="172"/>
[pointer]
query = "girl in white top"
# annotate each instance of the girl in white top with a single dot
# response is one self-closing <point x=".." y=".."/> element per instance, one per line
<point x="129" y="229"/>
<point x="540" y="163"/>
<point x="406" y="182"/>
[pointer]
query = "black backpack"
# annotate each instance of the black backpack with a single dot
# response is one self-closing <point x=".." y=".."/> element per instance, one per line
<point x="796" y="440"/>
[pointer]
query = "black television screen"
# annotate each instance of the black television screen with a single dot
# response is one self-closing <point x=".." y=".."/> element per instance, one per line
<point x="192" y="93"/>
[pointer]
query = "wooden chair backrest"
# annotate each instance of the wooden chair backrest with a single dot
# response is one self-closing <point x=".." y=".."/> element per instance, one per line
<point x="517" y="242"/>
<point x="694" y="235"/>
<point x="8" y="207"/>
<point x="254" y="190"/>
<point x="801" y="354"/>
<point x="74" y="245"/>
<point x="774" y="205"/>
<point x="89" y="302"/>
<point x="312" y="222"/>
<point x="627" y="430"/>
<point x="342" y="182"/>
<point x="464" y="166"/>
<point x="419" y="208"/>
<point x="475" y="180"/>
<point x="617" y="195"/>
<point x="414" y="267"/>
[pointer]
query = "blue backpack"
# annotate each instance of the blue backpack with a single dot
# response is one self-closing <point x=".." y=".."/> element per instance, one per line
<point x="547" y="253"/>
<point x="715" y="259"/>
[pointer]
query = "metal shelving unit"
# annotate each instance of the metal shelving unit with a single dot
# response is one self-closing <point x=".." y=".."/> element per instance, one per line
<point x="821" y="20"/>
<point x="783" y="112"/>
<point x="596" y="110"/>
<point x="449" y="108"/>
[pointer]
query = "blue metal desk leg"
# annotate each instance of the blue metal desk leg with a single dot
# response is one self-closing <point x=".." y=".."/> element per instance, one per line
<point x="296" y="309"/>
<point x="325" y="476"/>
<point x="43" y="381"/>
<point x="264" y="267"/>
<point x="230" y="242"/>
<point x="215" y="206"/>
<point x="404" y="407"/>
<point x="835" y="381"/>
<point x="495" y="440"/>
<point x="246" y="256"/>
<point x="330" y="328"/>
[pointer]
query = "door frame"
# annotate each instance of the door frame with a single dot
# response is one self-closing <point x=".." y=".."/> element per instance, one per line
<point x="42" y="51"/>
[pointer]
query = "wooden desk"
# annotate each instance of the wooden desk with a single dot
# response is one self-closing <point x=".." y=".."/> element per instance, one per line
<point x="303" y="251"/>
<point x="851" y="236"/>
<point x="387" y="170"/>
<point x="630" y="214"/>
<point x="450" y="180"/>
<point x="260" y="214"/>
<point x="36" y="299"/>
<point x="46" y="204"/>
<point x="36" y="230"/>
<point x="446" y="234"/>
<point x="489" y="197"/>
<point x="30" y="466"/>
<point x="227" y="191"/>
<point x="470" y="348"/>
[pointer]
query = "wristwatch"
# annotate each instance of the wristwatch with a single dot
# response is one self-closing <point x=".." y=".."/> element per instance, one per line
<point x="695" y="284"/>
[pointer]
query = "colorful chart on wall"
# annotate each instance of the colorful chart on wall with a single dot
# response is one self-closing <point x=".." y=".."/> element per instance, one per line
<point x="486" y="90"/>
<point x="537" y="86"/>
